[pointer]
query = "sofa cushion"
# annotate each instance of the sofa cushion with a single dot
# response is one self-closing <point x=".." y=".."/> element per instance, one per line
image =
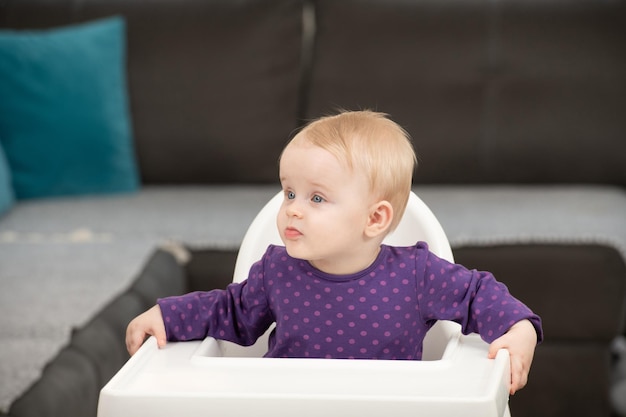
<point x="559" y="96"/>
<point x="69" y="387"/>
<point x="64" y="121"/>
<point x="516" y="214"/>
<point x="589" y="275"/>
<point x="423" y="64"/>
<point x="102" y="338"/>
<point x="161" y="276"/>
<point x="208" y="268"/>
<point x="491" y="92"/>
<point x="214" y="85"/>
<point x="568" y="380"/>
<point x="7" y="197"/>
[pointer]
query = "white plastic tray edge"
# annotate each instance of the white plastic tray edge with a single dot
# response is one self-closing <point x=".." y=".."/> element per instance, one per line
<point x="118" y="397"/>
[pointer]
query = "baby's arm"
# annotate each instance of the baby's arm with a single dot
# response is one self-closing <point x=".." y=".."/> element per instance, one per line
<point x="149" y="323"/>
<point x="520" y="340"/>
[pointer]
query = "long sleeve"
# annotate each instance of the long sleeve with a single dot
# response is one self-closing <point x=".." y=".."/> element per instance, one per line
<point x="474" y="299"/>
<point x="239" y="314"/>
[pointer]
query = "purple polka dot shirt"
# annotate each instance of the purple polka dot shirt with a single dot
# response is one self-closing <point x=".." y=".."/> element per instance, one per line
<point x="382" y="312"/>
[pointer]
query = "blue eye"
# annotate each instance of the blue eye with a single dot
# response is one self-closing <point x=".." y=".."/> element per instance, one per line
<point x="290" y="195"/>
<point x="317" y="199"/>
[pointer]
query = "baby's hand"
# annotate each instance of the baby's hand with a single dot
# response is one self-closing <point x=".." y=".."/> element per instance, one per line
<point x="148" y="323"/>
<point x="520" y="340"/>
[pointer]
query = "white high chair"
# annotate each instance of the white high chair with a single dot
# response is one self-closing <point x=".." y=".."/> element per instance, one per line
<point x="211" y="377"/>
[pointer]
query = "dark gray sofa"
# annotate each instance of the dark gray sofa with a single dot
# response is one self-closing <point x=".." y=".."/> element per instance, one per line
<point x="517" y="110"/>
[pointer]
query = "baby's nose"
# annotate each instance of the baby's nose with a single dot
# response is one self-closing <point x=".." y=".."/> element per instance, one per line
<point x="293" y="209"/>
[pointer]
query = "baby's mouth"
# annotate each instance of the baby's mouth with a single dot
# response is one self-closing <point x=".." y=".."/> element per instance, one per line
<point x="292" y="233"/>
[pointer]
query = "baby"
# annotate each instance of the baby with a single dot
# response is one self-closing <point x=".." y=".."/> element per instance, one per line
<point x="334" y="290"/>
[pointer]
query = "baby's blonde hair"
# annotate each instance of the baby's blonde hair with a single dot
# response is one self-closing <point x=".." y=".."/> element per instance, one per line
<point x="372" y="143"/>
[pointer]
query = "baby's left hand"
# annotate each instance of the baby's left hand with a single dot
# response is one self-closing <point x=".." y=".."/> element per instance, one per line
<point x="520" y="340"/>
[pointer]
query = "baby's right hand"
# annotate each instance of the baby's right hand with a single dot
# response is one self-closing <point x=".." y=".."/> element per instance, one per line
<point x="149" y="323"/>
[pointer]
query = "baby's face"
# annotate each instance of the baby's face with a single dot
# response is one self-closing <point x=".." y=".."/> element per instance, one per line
<point x="325" y="210"/>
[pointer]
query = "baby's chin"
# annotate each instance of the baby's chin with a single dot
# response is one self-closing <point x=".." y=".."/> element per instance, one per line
<point x="296" y="252"/>
<point x="293" y="252"/>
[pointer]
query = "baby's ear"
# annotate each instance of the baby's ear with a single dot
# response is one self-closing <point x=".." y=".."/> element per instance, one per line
<point x="379" y="220"/>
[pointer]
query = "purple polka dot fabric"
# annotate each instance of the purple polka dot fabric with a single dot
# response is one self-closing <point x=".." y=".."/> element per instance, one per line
<point x="382" y="312"/>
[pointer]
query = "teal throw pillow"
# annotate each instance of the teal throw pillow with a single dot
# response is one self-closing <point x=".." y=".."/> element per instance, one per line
<point x="7" y="198"/>
<point x="64" y="113"/>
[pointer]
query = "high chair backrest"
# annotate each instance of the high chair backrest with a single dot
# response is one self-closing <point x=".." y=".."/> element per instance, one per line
<point x="418" y="224"/>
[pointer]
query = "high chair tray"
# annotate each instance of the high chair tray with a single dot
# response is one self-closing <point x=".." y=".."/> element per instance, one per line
<point x="191" y="379"/>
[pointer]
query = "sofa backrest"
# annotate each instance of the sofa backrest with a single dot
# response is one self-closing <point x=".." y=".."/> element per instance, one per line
<point x="213" y="84"/>
<point x="491" y="91"/>
<point x="506" y="91"/>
